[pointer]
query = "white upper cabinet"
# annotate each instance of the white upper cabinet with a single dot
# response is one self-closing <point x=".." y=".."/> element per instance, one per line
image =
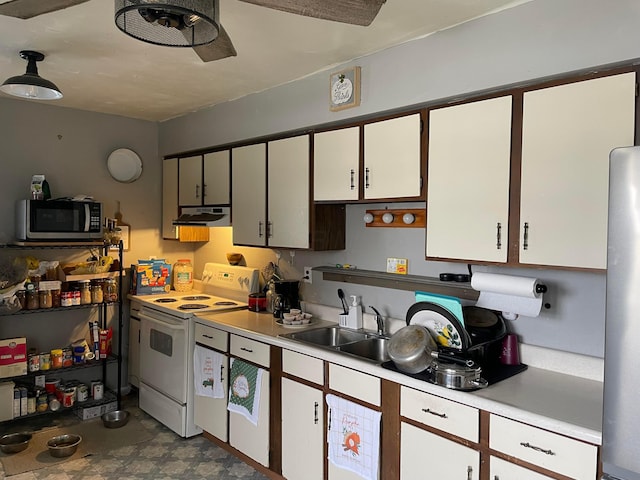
<point x="169" y="198"/>
<point x="468" y="181"/>
<point x="249" y="195"/>
<point x="392" y="158"/>
<point x="190" y="181"/>
<point x="216" y="167"/>
<point x="336" y="163"/>
<point x="568" y="132"/>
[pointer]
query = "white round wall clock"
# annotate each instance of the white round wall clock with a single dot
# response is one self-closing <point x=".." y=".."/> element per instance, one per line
<point x="124" y="165"/>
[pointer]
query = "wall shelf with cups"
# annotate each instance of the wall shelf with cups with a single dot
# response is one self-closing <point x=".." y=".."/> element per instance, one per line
<point x="397" y="218"/>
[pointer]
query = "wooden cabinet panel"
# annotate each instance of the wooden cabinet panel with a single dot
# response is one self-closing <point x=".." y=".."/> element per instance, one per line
<point x="249" y="195"/>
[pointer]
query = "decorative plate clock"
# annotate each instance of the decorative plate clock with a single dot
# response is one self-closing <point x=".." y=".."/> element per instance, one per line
<point x="344" y="89"/>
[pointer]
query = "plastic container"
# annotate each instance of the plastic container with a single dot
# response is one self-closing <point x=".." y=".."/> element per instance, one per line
<point x="183" y="275"/>
<point x="56" y="358"/>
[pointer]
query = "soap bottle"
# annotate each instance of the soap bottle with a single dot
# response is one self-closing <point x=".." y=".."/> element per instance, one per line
<point x="354" y="319"/>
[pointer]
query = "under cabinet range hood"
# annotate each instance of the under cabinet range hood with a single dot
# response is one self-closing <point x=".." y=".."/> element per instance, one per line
<point x="204" y="217"/>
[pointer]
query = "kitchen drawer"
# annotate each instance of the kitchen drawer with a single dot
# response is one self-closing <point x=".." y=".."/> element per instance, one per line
<point x="211" y="337"/>
<point x="251" y="350"/>
<point x="554" y="452"/>
<point x="355" y="384"/>
<point x="437" y="412"/>
<point x="303" y="366"/>
<point x="503" y="470"/>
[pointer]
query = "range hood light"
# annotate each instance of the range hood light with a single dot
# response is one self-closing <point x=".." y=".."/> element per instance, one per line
<point x="204" y="217"/>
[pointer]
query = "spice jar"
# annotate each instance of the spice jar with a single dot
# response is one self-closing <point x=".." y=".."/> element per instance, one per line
<point x="85" y="291"/>
<point x="56" y="358"/>
<point x="183" y="275"/>
<point x="45" y="299"/>
<point x="33" y="303"/>
<point x="110" y="290"/>
<point x="22" y="298"/>
<point x="56" y="301"/>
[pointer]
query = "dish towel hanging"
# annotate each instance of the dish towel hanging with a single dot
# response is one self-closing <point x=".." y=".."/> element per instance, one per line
<point x="244" y="390"/>
<point x="207" y="372"/>
<point x="354" y="437"/>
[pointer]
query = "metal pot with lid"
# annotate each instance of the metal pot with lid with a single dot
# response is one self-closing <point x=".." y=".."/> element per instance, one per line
<point x="456" y="376"/>
<point x="411" y="347"/>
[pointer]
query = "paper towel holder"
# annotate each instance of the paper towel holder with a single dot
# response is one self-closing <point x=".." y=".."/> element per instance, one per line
<point x="541" y="288"/>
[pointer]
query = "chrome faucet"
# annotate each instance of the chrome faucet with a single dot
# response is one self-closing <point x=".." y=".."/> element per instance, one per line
<point x="379" y="321"/>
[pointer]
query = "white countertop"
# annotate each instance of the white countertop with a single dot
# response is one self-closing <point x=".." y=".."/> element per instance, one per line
<point x="561" y="403"/>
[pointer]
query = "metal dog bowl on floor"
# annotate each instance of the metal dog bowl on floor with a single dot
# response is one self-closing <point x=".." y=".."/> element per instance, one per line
<point x="115" y="419"/>
<point x="14" y="442"/>
<point x="63" y="445"/>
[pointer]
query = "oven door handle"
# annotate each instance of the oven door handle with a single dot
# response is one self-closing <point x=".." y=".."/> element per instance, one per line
<point x="161" y="322"/>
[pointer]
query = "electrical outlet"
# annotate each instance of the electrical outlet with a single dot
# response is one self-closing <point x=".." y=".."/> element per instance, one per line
<point x="307" y="278"/>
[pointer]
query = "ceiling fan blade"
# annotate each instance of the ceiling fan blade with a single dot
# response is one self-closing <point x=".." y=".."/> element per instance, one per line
<point x="356" y="12"/>
<point x="220" y="48"/>
<point x="32" y="8"/>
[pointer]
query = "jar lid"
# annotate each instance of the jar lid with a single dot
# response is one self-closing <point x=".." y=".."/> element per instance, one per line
<point x="56" y="351"/>
<point x="184" y="260"/>
<point x="84" y="281"/>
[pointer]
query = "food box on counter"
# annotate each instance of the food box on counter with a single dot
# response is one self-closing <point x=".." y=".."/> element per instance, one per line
<point x="13" y="357"/>
<point x="150" y="277"/>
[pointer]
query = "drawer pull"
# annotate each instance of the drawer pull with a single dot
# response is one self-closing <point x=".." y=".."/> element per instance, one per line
<point x="469" y="472"/>
<point x="246" y="349"/>
<point x="221" y="372"/>
<point x="537" y="449"/>
<point x="207" y="336"/>
<point x="315" y="413"/>
<point x="441" y="415"/>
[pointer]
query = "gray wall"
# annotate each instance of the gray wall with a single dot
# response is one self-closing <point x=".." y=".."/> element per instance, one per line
<point x="543" y="38"/>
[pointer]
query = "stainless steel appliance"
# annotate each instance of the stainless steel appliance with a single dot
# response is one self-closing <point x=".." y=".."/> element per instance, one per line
<point x="621" y="416"/>
<point x="204" y="217"/>
<point x="167" y="339"/>
<point x="58" y="220"/>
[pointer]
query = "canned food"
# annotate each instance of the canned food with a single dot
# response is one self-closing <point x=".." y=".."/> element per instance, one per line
<point x="51" y="384"/>
<point x="42" y="403"/>
<point x="97" y="390"/>
<point x="67" y="357"/>
<point x="34" y="362"/>
<point x="82" y="393"/>
<point x="31" y="403"/>
<point x="68" y="396"/>
<point x="45" y="361"/>
<point x="66" y="299"/>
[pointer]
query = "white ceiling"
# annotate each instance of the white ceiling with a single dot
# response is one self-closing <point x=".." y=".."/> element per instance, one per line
<point x="99" y="68"/>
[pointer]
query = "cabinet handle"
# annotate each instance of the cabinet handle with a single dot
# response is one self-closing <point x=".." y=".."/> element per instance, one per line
<point x="207" y="336"/>
<point x="353" y="173"/>
<point x="525" y="243"/>
<point x="197" y="191"/>
<point x="469" y="472"/>
<point x="260" y="229"/>
<point x="537" y="449"/>
<point x="499" y="236"/>
<point x="315" y="413"/>
<point x="441" y="415"/>
<point x="366" y="178"/>
<point x="221" y="372"/>
<point x="204" y="190"/>
<point x="269" y="229"/>
<point x="246" y="349"/>
<point x="329" y="422"/>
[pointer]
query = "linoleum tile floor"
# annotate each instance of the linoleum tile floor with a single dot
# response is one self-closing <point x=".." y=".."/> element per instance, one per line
<point x="166" y="457"/>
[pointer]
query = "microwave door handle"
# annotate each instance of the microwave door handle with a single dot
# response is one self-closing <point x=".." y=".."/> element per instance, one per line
<point x="87" y="217"/>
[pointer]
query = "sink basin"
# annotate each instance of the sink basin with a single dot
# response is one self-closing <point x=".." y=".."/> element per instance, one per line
<point x="328" y="336"/>
<point x="372" y="348"/>
<point x="362" y="344"/>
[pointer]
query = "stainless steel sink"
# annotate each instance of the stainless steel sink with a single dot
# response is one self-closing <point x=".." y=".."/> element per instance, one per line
<point x="359" y="343"/>
<point x="372" y="348"/>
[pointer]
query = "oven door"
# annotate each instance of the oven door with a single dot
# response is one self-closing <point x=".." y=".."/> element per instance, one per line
<point x="163" y="353"/>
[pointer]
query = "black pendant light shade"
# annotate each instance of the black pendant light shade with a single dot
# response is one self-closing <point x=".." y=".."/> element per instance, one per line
<point x="31" y="85"/>
<point x="173" y="23"/>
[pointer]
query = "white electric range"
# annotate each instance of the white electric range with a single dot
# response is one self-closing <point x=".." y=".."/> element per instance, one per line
<point x="167" y="340"/>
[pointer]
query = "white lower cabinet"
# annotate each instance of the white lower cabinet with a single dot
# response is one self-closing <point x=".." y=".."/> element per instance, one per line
<point x="503" y="470"/>
<point x="302" y="431"/>
<point x="427" y="455"/>
<point x="250" y="439"/>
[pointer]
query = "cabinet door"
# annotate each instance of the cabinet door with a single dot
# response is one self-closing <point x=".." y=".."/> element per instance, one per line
<point x="134" y="351"/>
<point x="302" y="431"/>
<point x="336" y="160"/>
<point x="568" y="132"/>
<point x="422" y="451"/>
<point x="210" y="414"/>
<point x="288" y="192"/>
<point x="392" y="158"/>
<point x="169" y="198"/>
<point x="503" y="470"/>
<point x="190" y="181"/>
<point x="216" y="167"/>
<point x="249" y="195"/>
<point x="250" y="439"/>
<point x="468" y="181"/>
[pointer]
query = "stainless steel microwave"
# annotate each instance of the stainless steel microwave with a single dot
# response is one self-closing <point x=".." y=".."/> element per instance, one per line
<point x="58" y="220"/>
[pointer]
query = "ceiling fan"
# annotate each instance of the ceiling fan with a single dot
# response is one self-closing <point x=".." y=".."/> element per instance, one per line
<point x="355" y="12"/>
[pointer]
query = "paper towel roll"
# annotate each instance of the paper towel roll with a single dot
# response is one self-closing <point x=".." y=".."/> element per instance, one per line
<point x="508" y="294"/>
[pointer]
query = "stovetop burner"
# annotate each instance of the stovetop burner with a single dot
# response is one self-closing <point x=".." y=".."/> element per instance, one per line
<point x="191" y="298"/>
<point x="192" y="306"/>
<point x="225" y="303"/>
<point x="165" y="300"/>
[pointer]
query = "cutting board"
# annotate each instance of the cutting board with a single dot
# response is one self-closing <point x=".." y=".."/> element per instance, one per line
<point x="452" y="304"/>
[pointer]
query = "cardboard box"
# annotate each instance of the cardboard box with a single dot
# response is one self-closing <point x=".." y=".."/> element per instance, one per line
<point x="6" y="401"/>
<point x="13" y="357"/>
<point x="150" y="277"/>
<point x="91" y="410"/>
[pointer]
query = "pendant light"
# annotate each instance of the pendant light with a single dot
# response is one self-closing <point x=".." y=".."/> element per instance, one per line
<point x="31" y="85"/>
<point x="172" y="23"/>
